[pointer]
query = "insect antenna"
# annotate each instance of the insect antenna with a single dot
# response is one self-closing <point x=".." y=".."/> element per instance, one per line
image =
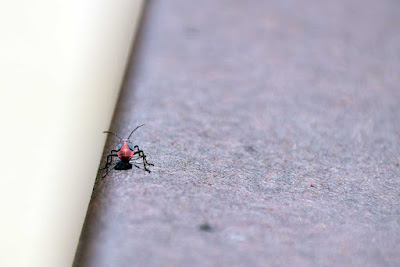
<point x="113" y="134"/>
<point x="135" y="130"/>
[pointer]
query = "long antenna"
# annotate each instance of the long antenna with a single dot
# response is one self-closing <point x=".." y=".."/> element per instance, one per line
<point x="113" y="134"/>
<point x="135" y="130"/>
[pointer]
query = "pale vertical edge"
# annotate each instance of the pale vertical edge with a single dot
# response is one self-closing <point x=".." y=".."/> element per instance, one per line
<point x="62" y="65"/>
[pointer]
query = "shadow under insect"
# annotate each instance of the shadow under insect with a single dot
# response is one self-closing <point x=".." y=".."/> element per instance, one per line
<point x="124" y="156"/>
<point x="122" y="166"/>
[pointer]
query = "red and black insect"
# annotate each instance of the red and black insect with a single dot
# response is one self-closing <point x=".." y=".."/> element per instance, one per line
<point x="127" y="154"/>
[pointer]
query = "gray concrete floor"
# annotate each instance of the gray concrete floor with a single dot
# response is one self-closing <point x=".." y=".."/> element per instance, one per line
<point x="274" y="127"/>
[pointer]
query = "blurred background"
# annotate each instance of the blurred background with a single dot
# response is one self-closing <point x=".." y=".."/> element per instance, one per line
<point x="273" y="126"/>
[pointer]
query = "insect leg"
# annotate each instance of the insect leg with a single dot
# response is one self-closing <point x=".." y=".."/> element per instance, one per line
<point x="109" y="160"/>
<point x="108" y="163"/>
<point x="134" y="164"/>
<point x="108" y="170"/>
<point x="143" y="156"/>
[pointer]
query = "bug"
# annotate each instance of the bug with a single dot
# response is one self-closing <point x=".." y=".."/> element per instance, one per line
<point x="126" y="153"/>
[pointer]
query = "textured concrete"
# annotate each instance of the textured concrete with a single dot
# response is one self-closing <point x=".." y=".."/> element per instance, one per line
<point x="275" y="130"/>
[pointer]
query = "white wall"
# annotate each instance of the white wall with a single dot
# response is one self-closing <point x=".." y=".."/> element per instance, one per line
<point x="61" y="67"/>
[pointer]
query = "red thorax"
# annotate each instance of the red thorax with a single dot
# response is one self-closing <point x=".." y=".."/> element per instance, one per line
<point x="125" y="153"/>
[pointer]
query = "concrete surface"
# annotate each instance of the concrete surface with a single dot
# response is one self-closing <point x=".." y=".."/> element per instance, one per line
<point x="275" y="130"/>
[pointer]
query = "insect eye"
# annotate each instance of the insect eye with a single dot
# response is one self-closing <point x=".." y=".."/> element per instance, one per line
<point x="130" y="145"/>
<point x="118" y="147"/>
